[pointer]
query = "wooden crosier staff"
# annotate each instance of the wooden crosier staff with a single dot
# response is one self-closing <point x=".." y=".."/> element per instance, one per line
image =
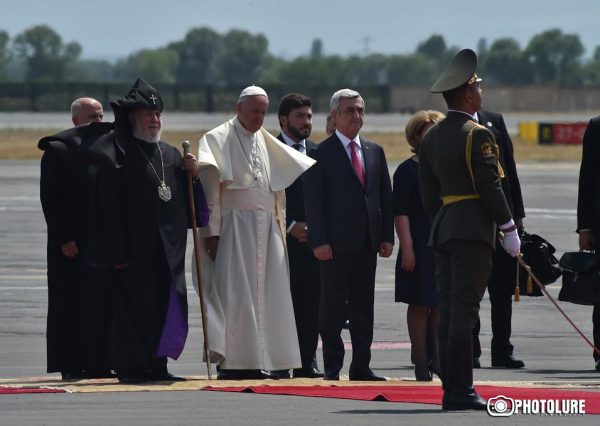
<point x="186" y="150"/>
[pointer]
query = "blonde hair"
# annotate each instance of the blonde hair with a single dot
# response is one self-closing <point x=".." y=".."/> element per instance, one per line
<point x="414" y="130"/>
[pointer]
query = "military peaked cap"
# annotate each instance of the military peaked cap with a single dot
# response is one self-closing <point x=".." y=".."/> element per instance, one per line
<point x="461" y="70"/>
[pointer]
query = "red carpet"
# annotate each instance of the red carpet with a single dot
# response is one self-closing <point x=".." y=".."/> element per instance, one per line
<point x="15" y="390"/>
<point x="419" y="394"/>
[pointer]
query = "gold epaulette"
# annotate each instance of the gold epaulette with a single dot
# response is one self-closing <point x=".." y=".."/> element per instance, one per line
<point x="469" y="148"/>
<point x="475" y="124"/>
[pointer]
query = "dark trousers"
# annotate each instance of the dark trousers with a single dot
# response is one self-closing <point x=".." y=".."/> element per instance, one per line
<point x="63" y="336"/>
<point x="351" y="277"/>
<point x="305" y="286"/>
<point x="462" y="270"/>
<point x="97" y="320"/>
<point x="596" y="327"/>
<point x="501" y="287"/>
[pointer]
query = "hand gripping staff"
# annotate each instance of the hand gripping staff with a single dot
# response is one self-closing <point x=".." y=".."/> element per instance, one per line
<point x="192" y="206"/>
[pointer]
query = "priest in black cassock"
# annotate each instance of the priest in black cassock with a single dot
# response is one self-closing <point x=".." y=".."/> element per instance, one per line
<point x="79" y="313"/>
<point x="141" y="217"/>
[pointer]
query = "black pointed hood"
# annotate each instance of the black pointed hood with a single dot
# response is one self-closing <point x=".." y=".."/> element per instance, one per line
<point x="141" y="95"/>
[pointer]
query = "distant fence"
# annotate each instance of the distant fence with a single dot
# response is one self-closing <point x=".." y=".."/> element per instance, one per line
<point x="40" y="97"/>
<point x="504" y="98"/>
<point x="378" y="99"/>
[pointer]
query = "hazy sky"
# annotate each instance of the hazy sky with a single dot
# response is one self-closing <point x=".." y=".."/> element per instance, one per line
<point x="114" y="28"/>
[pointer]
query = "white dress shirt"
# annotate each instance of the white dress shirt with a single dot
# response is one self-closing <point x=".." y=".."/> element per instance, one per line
<point x="346" y="142"/>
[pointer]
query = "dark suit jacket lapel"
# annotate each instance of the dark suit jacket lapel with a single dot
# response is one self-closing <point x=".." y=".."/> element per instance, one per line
<point x="485" y="121"/>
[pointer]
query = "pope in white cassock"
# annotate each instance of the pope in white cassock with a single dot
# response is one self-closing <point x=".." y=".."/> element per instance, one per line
<point x="244" y="172"/>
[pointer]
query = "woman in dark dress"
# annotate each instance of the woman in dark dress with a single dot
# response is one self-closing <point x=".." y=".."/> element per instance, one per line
<point x="415" y="282"/>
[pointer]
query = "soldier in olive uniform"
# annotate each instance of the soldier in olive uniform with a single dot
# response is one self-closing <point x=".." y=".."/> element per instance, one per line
<point x="460" y="183"/>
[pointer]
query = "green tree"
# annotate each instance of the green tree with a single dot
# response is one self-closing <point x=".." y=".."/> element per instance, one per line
<point x="5" y="55"/>
<point x="44" y="53"/>
<point x="198" y="53"/>
<point x="304" y="72"/>
<point x="555" y="57"/>
<point x="415" y="69"/>
<point x="434" y="47"/>
<point x="591" y="70"/>
<point x="505" y="63"/>
<point x="243" y="57"/>
<point x="368" y="70"/>
<point x="92" y="70"/>
<point x="153" y="65"/>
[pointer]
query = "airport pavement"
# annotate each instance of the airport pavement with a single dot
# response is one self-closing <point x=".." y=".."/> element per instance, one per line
<point x="553" y="353"/>
<point x="186" y="121"/>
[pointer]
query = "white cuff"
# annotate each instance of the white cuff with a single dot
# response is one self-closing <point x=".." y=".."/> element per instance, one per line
<point x="289" y="228"/>
<point x="507" y="225"/>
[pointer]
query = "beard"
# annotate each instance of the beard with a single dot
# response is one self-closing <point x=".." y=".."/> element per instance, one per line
<point x="300" y="133"/>
<point x="146" y="135"/>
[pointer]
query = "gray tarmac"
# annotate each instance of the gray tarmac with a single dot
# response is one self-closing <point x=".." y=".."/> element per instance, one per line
<point x="193" y="121"/>
<point x="552" y="351"/>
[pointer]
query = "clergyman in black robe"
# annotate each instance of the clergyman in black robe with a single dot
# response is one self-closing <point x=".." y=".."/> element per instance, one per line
<point x="142" y="220"/>
<point x="79" y="312"/>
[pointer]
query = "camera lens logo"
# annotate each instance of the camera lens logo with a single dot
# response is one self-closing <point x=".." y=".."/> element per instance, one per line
<point x="501" y="406"/>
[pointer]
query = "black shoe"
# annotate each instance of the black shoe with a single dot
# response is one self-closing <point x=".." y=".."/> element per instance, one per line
<point x="165" y="377"/>
<point x="279" y="374"/>
<point x="423" y="375"/>
<point x="598" y="365"/>
<point x="309" y="373"/>
<point x="330" y="375"/>
<point x="239" y="374"/>
<point x="468" y="400"/>
<point x="366" y="376"/>
<point x="99" y="374"/>
<point x="267" y="375"/>
<point x="161" y="374"/>
<point x="72" y="375"/>
<point x="133" y="378"/>
<point x="226" y="374"/>
<point x="476" y="362"/>
<point x="507" y="362"/>
<point x="434" y="368"/>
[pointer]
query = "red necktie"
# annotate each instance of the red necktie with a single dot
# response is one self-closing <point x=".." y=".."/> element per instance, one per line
<point x="356" y="163"/>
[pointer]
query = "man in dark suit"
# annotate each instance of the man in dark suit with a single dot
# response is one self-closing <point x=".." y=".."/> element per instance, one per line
<point x="78" y="324"/>
<point x="588" y="207"/>
<point x="501" y="285"/>
<point x="460" y="187"/>
<point x="295" y="119"/>
<point x="350" y="220"/>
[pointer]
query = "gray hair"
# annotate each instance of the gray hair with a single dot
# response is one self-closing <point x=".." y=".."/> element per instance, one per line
<point x="342" y="94"/>
<point x="75" y="106"/>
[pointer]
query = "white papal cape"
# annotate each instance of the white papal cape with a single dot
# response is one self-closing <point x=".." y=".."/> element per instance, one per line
<point x="250" y="316"/>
